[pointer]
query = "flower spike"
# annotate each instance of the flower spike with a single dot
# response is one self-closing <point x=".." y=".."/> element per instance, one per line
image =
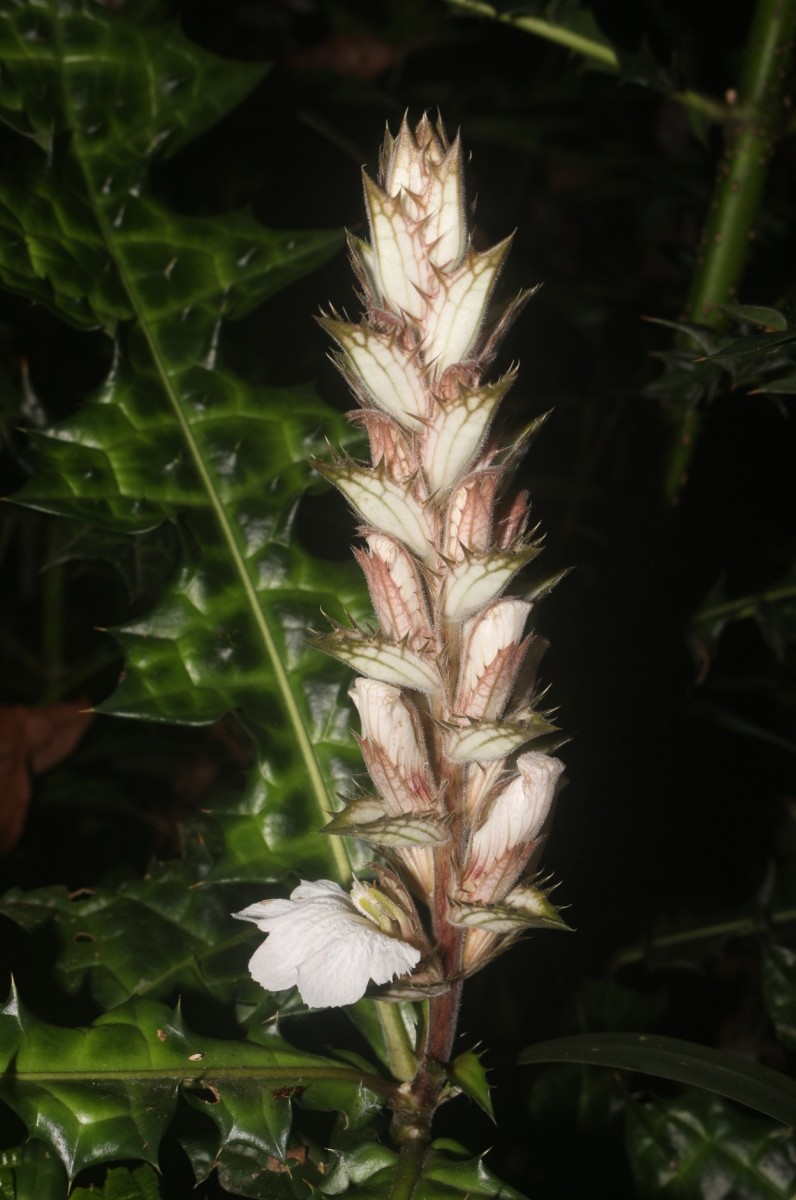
<point x="451" y="730"/>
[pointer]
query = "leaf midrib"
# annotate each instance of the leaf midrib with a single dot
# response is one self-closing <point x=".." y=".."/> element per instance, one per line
<point x="293" y="1074"/>
<point x="315" y="777"/>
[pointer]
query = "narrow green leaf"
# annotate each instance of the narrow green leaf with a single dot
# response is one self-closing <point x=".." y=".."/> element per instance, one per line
<point x="756" y="314"/>
<point x="757" y="344"/>
<point x="759" y="1087"/>
<point x="705" y="337"/>
<point x="784" y="386"/>
<point x="698" y="1147"/>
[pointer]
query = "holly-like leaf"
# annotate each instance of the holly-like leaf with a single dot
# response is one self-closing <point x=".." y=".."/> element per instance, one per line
<point x="698" y="1147"/>
<point x="121" y="1184"/>
<point x="110" y="1090"/>
<point x="467" y="1072"/>
<point x="370" y="1171"/>
<point x="161" y="937"/>
<point x="172" y="434"/>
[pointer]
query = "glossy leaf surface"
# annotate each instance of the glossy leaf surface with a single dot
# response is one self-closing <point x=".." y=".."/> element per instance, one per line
<point x="172" y="434"/>
<point x="698" y="1147"/>
<point x="110" y="1090"/>
<point x="32" y="1172"/>
<point x="121" y="1184"/>
<point x="160" y="937"/>
<point x="727" y="1074"/>
<point x="467" y="1072"/>
<point x="445" y="1172"/>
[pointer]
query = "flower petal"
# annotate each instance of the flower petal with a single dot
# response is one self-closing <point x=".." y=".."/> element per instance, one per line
<point x="319" y="941"/>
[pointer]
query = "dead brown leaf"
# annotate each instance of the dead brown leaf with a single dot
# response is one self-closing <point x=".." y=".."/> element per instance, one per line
<point x="32" y="740"/>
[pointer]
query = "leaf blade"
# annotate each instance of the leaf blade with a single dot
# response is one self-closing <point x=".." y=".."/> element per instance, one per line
<point x="718" y="1071"/>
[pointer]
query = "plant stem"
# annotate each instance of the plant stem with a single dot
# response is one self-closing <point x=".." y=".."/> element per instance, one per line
<point x="595" y="49"/>
<point x="746" y="606"/>
<point x="400" y="1052"/>
<point x="741" y="927"/>
<point x="409" y="1170"/>
<point x="751" y="137"/>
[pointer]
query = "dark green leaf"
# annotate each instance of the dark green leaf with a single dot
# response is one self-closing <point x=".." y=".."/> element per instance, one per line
<point x="698" y="1147"/>
<point x="121" y="1184"/>
<point x="372" y="1172"/>
<point x="757" y="345"/>
<point x="756" y="314"/>
<point x="467" y="1072"/>
<point x="705" y="337"/>
<point x="109" y="1091"/>
<point x="143" y="563"/>
<point x="779" y="990"/>
<point x="32" y="1172"/>
<point x="784" y="386"/>
<point x="160" y="937"/>
<point x="644" y="68"/>
<point x="724" y="718"/>
<point x="749" y="1083"/>
<point x="172" y="434"/>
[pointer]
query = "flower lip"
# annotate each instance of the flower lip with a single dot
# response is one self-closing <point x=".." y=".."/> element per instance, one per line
<point x="326" y="944"/>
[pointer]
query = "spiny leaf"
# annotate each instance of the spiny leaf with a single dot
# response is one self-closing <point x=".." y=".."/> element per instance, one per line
<point x="467" y="1072"/>
<point x="172" y="434"/>
<point x="698" y="1147"/>
<point x="121" y="1184"/>
<point x="110" y="1090"/>
<point x="160" y="937"/>
<point x="445" y="1172"/>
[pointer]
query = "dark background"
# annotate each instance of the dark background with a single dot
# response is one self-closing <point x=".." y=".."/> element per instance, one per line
<point x="678" y="814"/>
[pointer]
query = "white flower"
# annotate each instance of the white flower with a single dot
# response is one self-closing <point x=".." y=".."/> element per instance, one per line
<point x="500" y="846"/>
<point x="521" y="809"/>
<point x="327" y="943"/>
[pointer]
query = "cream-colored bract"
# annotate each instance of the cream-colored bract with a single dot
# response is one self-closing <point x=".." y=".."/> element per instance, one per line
<point x="447" y="695"/>
<point x="322" y="942"/>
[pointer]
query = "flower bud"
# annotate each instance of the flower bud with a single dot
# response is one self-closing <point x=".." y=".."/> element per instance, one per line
<point x="396" y="590"/>
<point x="492" y="655"/>
<point x="468" y="521"/>
<point x="393" y="746"/>
<point x="500" y="846"/>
